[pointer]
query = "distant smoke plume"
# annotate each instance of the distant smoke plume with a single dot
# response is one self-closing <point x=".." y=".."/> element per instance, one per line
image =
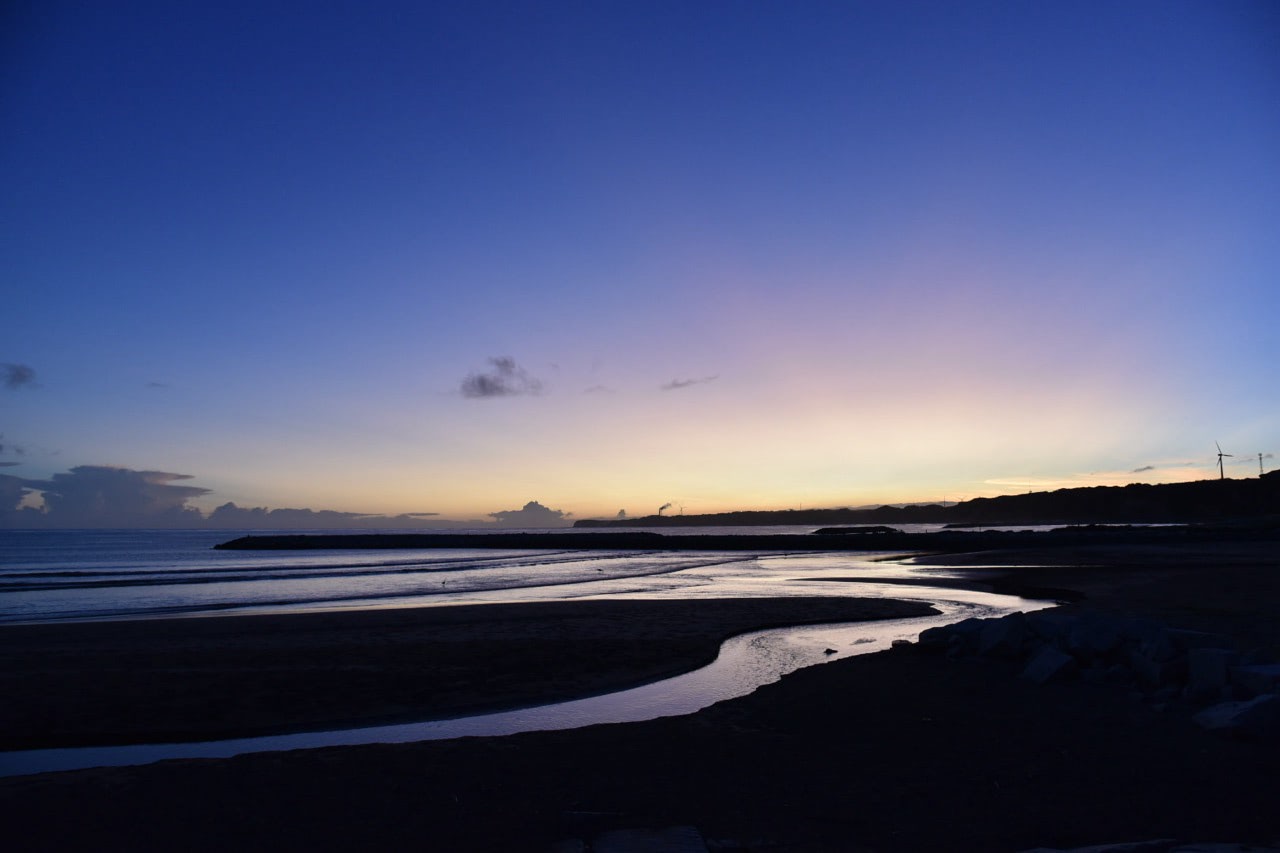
<point x="665" y="506"/>
<point x="506" y="379"/>
<point x="15" y="376"/>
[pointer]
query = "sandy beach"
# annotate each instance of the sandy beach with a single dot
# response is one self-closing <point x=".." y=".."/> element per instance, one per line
<point x="898" y="751"/>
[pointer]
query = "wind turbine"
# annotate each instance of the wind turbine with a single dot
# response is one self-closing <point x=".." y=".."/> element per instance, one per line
<point x="1221" y="475"/>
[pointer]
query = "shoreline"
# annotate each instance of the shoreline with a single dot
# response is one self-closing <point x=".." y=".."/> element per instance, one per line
<point x="894" y="751"/>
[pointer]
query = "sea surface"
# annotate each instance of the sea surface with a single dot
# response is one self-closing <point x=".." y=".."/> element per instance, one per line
<point x="60" y="575"/>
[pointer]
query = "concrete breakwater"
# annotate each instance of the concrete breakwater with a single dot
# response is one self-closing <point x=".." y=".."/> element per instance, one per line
<point x="1232" y="690"/>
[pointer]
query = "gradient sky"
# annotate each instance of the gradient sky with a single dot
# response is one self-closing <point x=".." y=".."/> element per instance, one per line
<point x="430" y="257"/>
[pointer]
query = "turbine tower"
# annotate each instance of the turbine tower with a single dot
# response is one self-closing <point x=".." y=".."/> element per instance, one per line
<point x="1221" y="474"/>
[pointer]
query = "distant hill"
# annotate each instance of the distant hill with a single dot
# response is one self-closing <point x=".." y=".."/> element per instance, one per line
<point x="1138" y="503"/>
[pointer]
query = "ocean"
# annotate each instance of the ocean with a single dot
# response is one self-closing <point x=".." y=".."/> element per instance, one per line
<point x="59" y="575"/>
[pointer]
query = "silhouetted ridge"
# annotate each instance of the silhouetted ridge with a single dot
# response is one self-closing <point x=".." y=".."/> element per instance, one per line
<point x="1215" y="501"/>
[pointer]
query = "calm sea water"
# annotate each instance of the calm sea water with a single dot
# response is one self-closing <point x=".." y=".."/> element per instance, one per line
<point x="48" y="575"/>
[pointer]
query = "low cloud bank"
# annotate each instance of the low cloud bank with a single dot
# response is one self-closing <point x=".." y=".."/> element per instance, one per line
<point x="533" y="514"/>
<point x="101" y="496"/>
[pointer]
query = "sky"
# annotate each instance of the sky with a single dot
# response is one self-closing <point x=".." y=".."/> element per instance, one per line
<point x="458" y="258"/>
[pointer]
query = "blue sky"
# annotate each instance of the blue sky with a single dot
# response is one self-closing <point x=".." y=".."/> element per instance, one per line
<point x="728" y="255"/>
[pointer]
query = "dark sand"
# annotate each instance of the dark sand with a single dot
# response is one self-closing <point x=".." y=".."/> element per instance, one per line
<point x="892" y="752"/>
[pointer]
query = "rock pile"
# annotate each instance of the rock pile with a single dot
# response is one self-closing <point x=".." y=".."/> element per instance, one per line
<point x="1238" y="691"/>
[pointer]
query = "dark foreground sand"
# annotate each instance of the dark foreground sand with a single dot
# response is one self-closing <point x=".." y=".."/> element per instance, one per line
<point x="891" y="752"/>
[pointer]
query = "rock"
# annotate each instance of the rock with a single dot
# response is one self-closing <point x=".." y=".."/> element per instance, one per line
<point x="1162" y="845"/>
<point x="1208" y="670"/>
<point x="674" y="839"/>
<point x="1257" y="679"/>
<point x="1155" y="643"/>
<point x="1050" y="625"/>
<point x="569" y="845"/>
<point x="934" y="639"/>
<point x="1093" y="637"/>
<point x="1187" y="640"/>
<point x="1258" y="718"/>
<point x="1049" y="665"/>
<point x="1156" y="673"/>
<point x="1003" y="638"/>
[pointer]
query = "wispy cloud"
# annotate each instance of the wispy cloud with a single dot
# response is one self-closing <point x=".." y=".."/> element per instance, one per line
<point x="505" y="379"/>
<point x="15" y="376"/>
<point x="677" y="384"/>
<point x="1143" y="469"/>
<point x="598" y="389"/>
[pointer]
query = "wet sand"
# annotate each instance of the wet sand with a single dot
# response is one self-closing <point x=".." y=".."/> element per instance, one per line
<point x="896" y="751"/>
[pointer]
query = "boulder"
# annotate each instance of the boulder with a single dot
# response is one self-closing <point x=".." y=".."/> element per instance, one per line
<point x="1257" y="679"/>
<point x="1258" y="718"/>
<point x="1050" y="625"/>
<point x="673" y="839"/>
<point x="1003" y="638"/>
<point x="1156" y="673"/>
<point x="1093" y="637"/>
<point x="1187" y="640"/>
<point x="1155" y="643"/>
<point x="1208" y="670"/>
<point x="1048" y="665"/>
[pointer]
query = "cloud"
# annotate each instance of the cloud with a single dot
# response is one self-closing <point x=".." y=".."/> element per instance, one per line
<point x="12" y="491"/>
<point x="1144" y="468"/>
<point x="533" y="514"/>
<point x="230" y="516"/>
<point x="15" y="376"/>
<point x="9" y="464"/>
<point x="677" y="384"/>
<point x="103" y="496"/>
<point x="506" y="379"/>
<point x="598" y="389"/>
